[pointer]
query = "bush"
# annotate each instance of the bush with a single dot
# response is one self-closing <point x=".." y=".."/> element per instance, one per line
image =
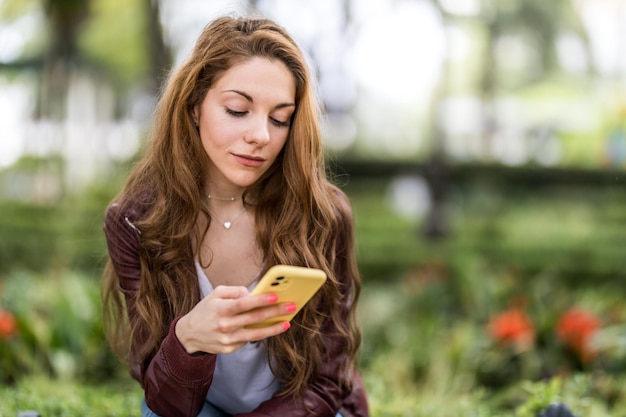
<point x="41" y="237"/>
<point x="426" y="342"/>
<point x="58" y="328"/>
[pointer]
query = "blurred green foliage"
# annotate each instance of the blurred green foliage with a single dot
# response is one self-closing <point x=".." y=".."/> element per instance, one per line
<point x="427" y="350"/>
<point x="575" y="232"/>
<point x="53" y="237"/>
<point x="115" y="38"/>
<point x="59" y="328"/>
<point x="111" y="35"/>
<point x="425" y="304"/>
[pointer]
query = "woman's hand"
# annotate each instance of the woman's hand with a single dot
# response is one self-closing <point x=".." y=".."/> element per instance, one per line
<point x="217" y="323"/>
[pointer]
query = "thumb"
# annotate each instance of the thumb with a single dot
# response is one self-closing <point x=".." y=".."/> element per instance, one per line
<point x="230" y="292"/>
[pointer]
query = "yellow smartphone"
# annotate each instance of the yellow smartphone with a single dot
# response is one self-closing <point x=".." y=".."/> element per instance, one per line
<point x="296" y="284"/>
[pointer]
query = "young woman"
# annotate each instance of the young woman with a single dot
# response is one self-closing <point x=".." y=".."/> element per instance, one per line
<point x="233" y="183"/>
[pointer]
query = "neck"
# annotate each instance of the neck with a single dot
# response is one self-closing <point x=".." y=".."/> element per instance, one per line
<point x="219" y="198"/>
<point x="223" y="192"/>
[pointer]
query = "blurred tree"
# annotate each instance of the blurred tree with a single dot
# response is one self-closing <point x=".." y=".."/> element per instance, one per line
<point x="520" y="41"/>
<point x="538" y="24"/>
<point x="534" y="24"/>
<point x="116" y="40"/>
<point x="161" y="55"/>
<point x="125" y="37"/>
<point x="65" y="18"/>
<point x="112" y="49"/>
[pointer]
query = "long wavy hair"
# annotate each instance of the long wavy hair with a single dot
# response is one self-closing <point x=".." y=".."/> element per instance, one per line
<point x="300" y="217"/>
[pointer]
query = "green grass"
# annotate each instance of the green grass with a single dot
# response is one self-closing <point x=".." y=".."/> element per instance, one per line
<point x="70" y="398"/>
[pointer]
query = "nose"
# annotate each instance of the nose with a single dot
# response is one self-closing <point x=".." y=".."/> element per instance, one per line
<point x="258" y="132"/>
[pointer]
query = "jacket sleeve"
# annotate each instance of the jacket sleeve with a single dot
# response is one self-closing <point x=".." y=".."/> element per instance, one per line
<point x="325" y="396"/>
<point x="175" y="383"/>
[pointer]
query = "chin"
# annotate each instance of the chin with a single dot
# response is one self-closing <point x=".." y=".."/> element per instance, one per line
<point x="244" y="182"/>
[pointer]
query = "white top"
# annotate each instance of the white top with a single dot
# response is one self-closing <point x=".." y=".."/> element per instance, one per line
<point x="242" y="379"/>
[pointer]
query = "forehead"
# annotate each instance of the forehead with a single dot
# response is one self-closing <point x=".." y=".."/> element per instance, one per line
<point x="260" y="78"/>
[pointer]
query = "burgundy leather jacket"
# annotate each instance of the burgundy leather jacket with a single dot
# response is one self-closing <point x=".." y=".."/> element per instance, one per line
<point x="176" y="383"/>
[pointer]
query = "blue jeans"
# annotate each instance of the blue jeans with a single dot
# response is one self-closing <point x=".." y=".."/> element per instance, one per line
<point x="207" y="411"/>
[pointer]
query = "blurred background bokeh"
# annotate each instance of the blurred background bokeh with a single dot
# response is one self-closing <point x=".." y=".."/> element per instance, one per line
<point x="483" y="146"/>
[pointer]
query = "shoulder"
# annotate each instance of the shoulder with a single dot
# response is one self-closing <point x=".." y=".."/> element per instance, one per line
<point x="128" y="211"/>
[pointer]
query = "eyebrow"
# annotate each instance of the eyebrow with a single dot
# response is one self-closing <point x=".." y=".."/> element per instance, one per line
<point x="249" y="98"/>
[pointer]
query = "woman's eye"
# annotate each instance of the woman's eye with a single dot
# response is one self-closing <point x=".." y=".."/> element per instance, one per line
<point x="279" y="122"/>
<point x="235" y="113"/>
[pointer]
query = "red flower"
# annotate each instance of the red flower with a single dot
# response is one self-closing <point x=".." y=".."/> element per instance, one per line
<point x="575" y="329"/>
<point x="8" y="325"/>
<point x="512" y="327"/>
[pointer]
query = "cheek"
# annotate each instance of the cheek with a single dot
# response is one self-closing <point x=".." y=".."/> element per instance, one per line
<point x="278" y="145"/>
<point x="282" y="137"/>
<point x="214" y="134"/>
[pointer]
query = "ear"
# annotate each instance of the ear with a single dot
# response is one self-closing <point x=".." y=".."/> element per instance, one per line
<point x="195" y="114"/>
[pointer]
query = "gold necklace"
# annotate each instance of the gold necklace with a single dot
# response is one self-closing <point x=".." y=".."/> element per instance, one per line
<point x="212" y="197"/>
<point x="228" y="224"/>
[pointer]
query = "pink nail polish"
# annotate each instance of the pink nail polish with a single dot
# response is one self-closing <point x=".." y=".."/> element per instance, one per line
<point x="286" y="325"/>
<point x="291" y="307"/>
<point x="272" y="298"/>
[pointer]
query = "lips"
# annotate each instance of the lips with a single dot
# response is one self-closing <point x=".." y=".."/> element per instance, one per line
<point x="249" y="160"/>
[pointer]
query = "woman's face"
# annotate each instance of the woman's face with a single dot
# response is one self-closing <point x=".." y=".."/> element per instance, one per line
<point x="244" y="121"/>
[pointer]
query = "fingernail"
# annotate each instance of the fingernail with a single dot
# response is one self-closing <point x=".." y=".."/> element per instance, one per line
<point x="291" y="307"/>
<point x="272" y="298"/>
<point x="286" y="326"/>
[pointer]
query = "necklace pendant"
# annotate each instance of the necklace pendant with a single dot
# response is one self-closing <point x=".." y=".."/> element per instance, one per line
<point x="227" y="225"/>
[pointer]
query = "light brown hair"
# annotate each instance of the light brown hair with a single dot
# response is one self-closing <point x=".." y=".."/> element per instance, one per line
<point x="300" y="217"/>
